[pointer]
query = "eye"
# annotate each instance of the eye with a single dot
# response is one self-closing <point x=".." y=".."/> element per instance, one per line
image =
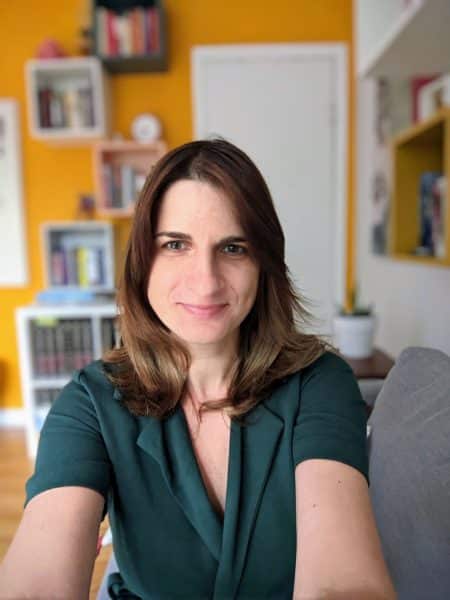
<point x="234" y="249"/>
<point x="173" y="245"/>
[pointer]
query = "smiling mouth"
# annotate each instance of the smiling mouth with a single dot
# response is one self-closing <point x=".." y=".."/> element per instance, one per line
<point x="205" y="311"/>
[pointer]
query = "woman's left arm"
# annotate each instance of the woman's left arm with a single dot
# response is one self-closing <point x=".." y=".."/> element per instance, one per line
<point x="339" y="553"/>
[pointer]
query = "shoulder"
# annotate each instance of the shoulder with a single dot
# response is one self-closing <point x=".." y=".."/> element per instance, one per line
<point x="94" y="375"/>
<point x="87" y="389"/>
<point x="331" y="422"/>
<point x="328" y="362"/>
<point x="329" y="383"/>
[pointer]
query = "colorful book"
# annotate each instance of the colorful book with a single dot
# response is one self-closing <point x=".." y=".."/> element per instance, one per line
<point x="438" y="217"/>
<point x="426" y="200"/>
<point x="111" y="37"/>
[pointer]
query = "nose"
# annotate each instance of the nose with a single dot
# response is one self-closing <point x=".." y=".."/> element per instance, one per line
<point x="203" y="275"/>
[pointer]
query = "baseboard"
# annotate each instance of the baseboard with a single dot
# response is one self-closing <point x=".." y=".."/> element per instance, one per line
<point x="12" y="417"/>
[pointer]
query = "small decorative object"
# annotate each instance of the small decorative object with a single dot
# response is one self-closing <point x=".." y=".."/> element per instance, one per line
<point x="86" y="207"/>
<point x="354" y="328"/>
<point x="50" y="48"/>
<point x="417" y="83"/>
<point x="146" y="128"/>
<point x="434" y="96"/>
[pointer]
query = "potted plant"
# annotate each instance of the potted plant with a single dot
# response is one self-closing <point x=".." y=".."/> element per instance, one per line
<point x="354" y="328"/>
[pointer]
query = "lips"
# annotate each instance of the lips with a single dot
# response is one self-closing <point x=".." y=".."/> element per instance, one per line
<point x="203" y="310"/>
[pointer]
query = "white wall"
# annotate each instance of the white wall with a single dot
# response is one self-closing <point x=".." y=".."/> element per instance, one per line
<point x="372" y="19"/>
<point x="412" y="301"/>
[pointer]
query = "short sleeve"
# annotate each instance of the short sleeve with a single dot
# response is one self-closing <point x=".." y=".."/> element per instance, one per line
<point x="331" y="421"/>
<point x="71" y="450"/>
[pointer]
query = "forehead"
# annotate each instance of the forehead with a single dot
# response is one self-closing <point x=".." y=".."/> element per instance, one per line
<point x="196" y="204"/>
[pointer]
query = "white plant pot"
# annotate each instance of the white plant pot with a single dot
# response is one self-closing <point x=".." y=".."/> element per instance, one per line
<point x="354" y="334"/>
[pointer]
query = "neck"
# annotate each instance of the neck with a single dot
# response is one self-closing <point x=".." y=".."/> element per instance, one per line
<point x="211" y="373"/>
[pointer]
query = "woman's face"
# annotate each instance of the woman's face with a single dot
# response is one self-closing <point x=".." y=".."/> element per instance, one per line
<point x="203" y="281"/>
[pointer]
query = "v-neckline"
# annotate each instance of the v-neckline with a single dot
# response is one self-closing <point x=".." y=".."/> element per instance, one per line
<point x="231" y="459"/>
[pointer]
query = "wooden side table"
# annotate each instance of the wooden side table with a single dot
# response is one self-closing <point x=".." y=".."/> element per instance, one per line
<point x="376" y="366"/>
<point x="371" y="373"/>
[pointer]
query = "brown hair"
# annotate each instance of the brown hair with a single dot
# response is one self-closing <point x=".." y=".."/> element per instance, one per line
<point x="150" y="367"/>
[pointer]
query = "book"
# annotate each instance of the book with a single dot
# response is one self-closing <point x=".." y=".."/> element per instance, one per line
<point x="86" y="106"/>
<point x="57" y="116"/>
<point x="155" y="31"/>
<point x="111" y="36"/>
<point x="58" y="267"/>
<point x="94" y="266"/>
<point x="425" y="212"/>
<point x="44" y="95"/>
<point x="107" y="178"/>
<point x="438" y="217"/>
<point x="100" y="25"/>
<point x="82" y="266"/>
<point x="135" y="27"/>
<point x="127" y="186"/>
<point x="123" y="33"/>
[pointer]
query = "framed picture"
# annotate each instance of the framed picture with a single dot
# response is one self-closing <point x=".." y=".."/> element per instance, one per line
<point x="13" y="252"/>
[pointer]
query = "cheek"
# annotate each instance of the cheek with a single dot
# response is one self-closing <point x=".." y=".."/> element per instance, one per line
<point x="249" y="284"/>
<point x="161" y="280"/>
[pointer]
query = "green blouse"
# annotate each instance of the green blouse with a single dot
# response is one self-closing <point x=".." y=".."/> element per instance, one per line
<point x="169" y="541"/>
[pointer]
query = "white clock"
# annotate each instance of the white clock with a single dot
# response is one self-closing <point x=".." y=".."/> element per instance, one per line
<point x="146" y="128"/>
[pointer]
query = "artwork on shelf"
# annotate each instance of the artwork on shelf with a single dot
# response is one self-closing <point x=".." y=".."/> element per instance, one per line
<point x="380" y="193"/>
<point x="13" y="252"/>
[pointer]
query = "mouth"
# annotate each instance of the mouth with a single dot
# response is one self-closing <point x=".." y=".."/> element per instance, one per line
<point x="203" y="310"/>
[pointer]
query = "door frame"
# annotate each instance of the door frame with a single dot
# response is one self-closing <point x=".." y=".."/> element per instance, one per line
<point x="204" y="57"/>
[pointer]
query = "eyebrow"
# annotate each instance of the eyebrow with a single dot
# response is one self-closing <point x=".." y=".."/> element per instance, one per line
<point x="232" y="239"/>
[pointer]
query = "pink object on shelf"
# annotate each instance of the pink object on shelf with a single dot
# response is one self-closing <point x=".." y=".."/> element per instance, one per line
<point x="50" y="48"/>
<point x="416" y="84"/>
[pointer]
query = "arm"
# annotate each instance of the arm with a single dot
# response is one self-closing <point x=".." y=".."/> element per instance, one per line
<point x="339" y="553"/>
<point x="53" y="551"/>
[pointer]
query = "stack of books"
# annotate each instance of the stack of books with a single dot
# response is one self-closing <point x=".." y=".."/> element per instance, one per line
<point x="78" y="266"/>
<point x="122" y="185"/>
<point x="67" y="104"/>
<point x="60" y="346"/>
<point x="431" y="208"/>
<point x="134" y="32"/>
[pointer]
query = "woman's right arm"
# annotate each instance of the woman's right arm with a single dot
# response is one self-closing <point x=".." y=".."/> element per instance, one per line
<point x="53" y="551"/>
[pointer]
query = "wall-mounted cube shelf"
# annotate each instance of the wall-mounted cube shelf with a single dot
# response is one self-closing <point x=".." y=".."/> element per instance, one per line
<point x="79" y="254"/>
<point x="130" y="35"/>
<point x="421" y="149"/>
<point x="68" y="99"/>
<point x="120" y="169"/>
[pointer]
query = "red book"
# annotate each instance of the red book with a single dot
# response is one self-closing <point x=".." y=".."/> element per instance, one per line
<point x="44" y="96"/>
<point x="135" y="33"/>
<point x="153" y="17"/>
<point x="112" y="42"/>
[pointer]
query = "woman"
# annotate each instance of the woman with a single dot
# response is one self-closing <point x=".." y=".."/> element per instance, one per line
<point x="227" y="446"/>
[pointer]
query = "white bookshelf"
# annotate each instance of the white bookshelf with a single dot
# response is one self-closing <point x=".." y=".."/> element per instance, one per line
<point x="40" y="388"/>
<point x="79" y="255"/>
<point x="68" y="99"/>
<point x="399" y="39"/>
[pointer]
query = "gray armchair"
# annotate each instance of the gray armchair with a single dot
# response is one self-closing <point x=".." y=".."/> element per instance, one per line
<point x="409" y="469"/>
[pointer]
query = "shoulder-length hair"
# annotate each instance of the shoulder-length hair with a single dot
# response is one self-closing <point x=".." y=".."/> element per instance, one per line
<point x="150" y="366"/>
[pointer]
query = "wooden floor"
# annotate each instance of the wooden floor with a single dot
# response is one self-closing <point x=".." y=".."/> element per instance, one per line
<point x="15" y="468"/>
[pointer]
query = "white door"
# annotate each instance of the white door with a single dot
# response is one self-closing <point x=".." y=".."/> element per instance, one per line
<point x="285" y="105"/>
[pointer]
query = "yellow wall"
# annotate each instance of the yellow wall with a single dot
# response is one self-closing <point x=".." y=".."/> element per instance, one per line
<point x="54" y="177"/>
